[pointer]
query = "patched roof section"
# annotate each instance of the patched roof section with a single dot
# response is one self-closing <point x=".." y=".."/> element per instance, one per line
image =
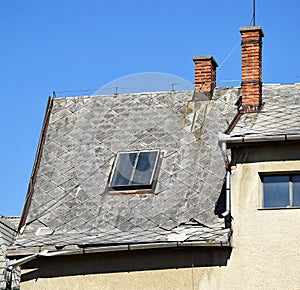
<point x="69" y="204"/>
<point x="280" y="114"/>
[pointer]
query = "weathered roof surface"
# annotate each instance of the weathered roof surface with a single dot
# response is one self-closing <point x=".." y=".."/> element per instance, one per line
<point x="7" y="235"/>
<point x="14" y="220"/>
<point x="69" y="204"/>
<point x="280" y="114"/>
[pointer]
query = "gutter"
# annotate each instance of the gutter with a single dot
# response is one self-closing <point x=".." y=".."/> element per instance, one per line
<point x="227" y="183"/>
<point x="256" y="139"/>
<point x="16" y="263"/>
<point x="12" y="264"/>
<point x="222" y="242"/>
<point x="223" y="146"/>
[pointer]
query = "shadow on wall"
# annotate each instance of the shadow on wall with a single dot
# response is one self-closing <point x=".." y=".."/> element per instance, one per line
<point x="220" y="206"/>
<point x="139" y="260"/>
<point x="221" y="202"/>
<point x="273" y="151"/>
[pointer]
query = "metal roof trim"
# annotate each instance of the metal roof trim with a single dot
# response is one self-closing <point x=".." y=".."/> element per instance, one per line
<point x="258" y="139"/>
<point x="128" y="247"/>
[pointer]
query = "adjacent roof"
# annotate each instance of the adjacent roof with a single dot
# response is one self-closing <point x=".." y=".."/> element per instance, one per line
<point x="67" y="203"/>
<point x="279" y="117"/>
<point x="7" y="235"/>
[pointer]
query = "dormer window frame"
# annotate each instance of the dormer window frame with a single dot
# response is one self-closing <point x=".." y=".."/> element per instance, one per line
<point x="133" y="187"/>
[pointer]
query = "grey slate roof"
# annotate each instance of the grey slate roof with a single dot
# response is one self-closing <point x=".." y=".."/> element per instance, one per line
<point x="69" y="205"/>
<point x="7" y="235"/>
<point x="279" y="116"/>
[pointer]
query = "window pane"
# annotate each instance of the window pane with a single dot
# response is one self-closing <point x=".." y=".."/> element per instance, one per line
<point x="123" y="169"/>
<point x="276" y="191"/>
<point x="144" y="169"/>
<point x="296" y="190"/>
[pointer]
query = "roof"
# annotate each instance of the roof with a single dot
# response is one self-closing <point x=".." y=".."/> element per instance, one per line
<point x="67" y="203"/>
<point x="279" y="118"/>
<point x="7" y="235"/>
<point x="13" y="220"/>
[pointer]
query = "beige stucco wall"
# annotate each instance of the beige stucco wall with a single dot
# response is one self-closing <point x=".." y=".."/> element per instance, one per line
<point x="266" y="243"/>
<point x="161" y="279"/>
<point x="266" y="248"/>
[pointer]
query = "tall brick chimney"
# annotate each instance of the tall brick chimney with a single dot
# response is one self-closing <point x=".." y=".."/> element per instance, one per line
<point x="205" y="74"/>
<point x="251" y="68"/>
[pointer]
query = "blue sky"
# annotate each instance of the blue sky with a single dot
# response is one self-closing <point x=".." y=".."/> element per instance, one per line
<point x="73" y="45"/>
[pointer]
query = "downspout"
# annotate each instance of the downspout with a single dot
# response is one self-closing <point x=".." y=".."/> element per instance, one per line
<point x="227" y="183"/>
<point x="226" y="213"/>
<point x="12" y="264"/>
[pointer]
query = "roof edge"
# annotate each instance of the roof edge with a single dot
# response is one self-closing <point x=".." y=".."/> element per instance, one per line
<point x="258" y="139"/>
<point x="36" y="163"/>
<point x="11" y="253"/>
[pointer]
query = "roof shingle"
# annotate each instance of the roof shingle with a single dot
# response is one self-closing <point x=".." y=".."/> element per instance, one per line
<point x="69" y="204"/>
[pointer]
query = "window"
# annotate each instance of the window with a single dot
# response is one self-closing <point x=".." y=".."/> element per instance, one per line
<point x="281" y="191"/>
<point x="135" y="170"/>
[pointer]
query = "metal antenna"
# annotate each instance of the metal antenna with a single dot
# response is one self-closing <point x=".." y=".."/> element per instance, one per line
<point x="173" y="84"/>
<point x="253" y="13"/>
<point x="116" y="92"/>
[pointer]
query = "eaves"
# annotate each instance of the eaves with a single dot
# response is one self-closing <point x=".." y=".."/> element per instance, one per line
<point x="237" y="140"/>
<point x="32" y="253"/>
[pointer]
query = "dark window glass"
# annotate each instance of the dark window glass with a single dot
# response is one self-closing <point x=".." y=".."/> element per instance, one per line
<point x="296" y="190"/>
<point x="123" y="169"/>
<point x="144" y="168"/>
<point x="276" y="191"/>
<point x="134" y="170"/>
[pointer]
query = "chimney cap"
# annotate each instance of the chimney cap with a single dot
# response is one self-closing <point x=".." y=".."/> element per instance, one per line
<point x="205" y="57"/>
<point x="252" y="28"/>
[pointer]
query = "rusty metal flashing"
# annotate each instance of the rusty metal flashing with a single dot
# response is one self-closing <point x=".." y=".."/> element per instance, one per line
<point x="36" y="163"/>
<point x="233" y="123"/>
<point x="250" y="109"/>
<point x="243" y="109"/>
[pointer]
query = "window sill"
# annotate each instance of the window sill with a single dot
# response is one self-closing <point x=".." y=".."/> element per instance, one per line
<point x="276" y="208"/>
<point x="125" y="192"/>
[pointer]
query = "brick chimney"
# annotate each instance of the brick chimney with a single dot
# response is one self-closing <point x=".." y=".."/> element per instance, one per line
<point x="251" y="68"/>
<point x="205" y="74"/>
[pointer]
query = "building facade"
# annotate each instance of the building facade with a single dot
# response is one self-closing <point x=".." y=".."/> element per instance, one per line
<point x="168" y="190"/>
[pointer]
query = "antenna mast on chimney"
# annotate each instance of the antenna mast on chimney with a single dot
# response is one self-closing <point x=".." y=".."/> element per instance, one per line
<point x="253" y="17"/>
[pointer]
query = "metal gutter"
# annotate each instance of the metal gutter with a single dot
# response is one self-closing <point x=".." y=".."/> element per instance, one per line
<point x="223" y="146"/>
<point x="257" y="139"/>
<point x="228" y="195"/>
<point x="129" y="247"/>
<point x="105" y="249"/>
<point x="16" y="263"/>
<point x="233" y="123"/>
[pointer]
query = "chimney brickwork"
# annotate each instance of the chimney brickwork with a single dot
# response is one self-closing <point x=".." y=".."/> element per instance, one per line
<point x="251" y="68"/>
<point x="205" y="74"/>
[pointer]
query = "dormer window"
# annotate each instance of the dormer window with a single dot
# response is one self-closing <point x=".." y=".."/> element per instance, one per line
<point x="135" y="171"/>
